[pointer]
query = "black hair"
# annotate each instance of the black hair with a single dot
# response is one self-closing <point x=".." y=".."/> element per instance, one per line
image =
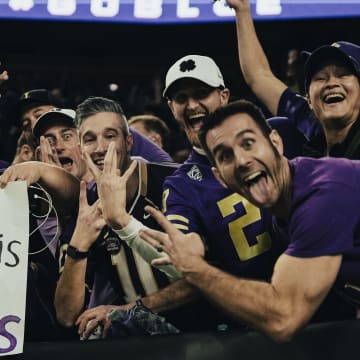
<point x="93" y="105"/>
<point x="216" y="118"/>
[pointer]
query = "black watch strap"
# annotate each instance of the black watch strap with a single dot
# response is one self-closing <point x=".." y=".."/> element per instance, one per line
<point x="74" y="253"/>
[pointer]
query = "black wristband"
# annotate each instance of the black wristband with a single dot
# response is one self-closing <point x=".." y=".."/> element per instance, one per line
<point x="74" y="253"/>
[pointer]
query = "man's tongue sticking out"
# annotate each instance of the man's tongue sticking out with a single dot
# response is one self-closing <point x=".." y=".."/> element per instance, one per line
<point x="260" y="190"/>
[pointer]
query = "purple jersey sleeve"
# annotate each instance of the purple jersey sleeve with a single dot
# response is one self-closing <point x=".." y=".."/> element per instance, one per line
<point x="323" y="217"/>
<point x="293" y="139"/>
<point x="296" y="108"/>
<point x="147" y="149"/>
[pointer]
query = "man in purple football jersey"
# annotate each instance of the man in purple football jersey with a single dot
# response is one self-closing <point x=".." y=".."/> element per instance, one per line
<point x="329" y="113"/>
<point x="322" y="252"/>
<point x="237" y="233"/>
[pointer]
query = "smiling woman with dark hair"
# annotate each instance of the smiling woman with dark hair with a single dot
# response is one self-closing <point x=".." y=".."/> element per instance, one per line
<point x="329" y="114"/>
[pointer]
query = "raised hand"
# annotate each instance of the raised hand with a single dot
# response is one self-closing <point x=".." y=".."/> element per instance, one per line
<point x="45" y="153"/>
<point x="89" y="222"/>
<point x="239" y="4"/>
<point x="112" y="188"/>
<point x="184" y="250"/>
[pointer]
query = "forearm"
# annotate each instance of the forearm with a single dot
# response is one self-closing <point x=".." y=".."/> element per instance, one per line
<point x="254" y="302"/>
<point x="130" y="234"/>
<point x="251" y="54"/>
<point x="176" y="294"/>
<point x="70" y="292"/>
<point x="62" y="186"/>
<point x="254" y="64"/>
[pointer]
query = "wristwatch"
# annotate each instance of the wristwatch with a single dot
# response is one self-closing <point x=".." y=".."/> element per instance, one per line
<point x="74" y="253"/>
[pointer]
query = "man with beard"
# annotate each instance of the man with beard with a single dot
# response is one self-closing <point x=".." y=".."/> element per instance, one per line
<point x="237" y="234"/>
<point x="329" y="114"/>
<point x="236" y="231"/>
<point x="321" y="254"/>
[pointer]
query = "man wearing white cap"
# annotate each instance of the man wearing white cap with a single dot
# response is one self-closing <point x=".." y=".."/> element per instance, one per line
<point x="59" y="141"/>
<point x="237" y="233"/>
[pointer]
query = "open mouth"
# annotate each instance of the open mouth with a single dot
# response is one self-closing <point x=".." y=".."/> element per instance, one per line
<point x="66" y="162"/>
<point x="99" y="163"/>
<point x="196" y="121"/>
<point x="259" y="188"/>
<point x="254" y="178"/>
<point x="333" y="98"/>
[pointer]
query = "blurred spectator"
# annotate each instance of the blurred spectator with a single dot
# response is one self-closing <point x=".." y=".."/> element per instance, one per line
<point x="178" y="145"/>
<point x="32" y="104"/>
<point x="25" y="147"/>
<point x="151" y="127"/>
<point x="292" y="76"/>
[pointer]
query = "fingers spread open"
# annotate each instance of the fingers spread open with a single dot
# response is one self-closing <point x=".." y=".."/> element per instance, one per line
<point x="82" y="197"/>
<point x="130" y="170"/>
<point x="162" y="221"/>
<point x="92" y="167"/>
<point x="159" y="240"/>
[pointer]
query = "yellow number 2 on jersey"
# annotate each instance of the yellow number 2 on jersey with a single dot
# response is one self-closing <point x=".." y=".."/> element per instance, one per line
<point x="252" y="214"/>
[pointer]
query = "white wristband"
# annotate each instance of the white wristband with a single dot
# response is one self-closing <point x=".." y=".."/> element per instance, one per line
<point x="130" y="234"/>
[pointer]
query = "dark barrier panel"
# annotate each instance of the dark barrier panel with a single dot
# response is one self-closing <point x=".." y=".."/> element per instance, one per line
<point x="322" y="341"/>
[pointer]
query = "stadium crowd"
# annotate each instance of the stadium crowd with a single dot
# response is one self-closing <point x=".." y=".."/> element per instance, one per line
<point x="233" y="218"/>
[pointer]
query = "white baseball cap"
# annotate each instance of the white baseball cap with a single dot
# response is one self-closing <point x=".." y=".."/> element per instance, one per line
<point x="197" y="67"/>
<point x="53" y="117"/>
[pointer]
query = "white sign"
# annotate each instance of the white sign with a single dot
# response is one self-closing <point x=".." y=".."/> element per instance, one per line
<point x="14" y="243"/>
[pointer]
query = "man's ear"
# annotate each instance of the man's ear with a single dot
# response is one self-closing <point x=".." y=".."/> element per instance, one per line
<point x="26" y="153"/>
<point x="309" y="101"/>
<point x="276" y="140"/>
<point x="171" y="106"/>
<point x="156" y="138"/>
<point x="129" y="142"/>
<point x="218" y="176"/>
<point x="225" y="96"/>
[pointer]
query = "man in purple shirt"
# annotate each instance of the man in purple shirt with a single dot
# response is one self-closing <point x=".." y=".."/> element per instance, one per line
<point x="323" y="251"/>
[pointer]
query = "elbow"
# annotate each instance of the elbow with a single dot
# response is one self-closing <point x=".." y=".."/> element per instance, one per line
<point x="65" y="321"/>
<point x="64" y="317"/>
<point x="283" y="330"/>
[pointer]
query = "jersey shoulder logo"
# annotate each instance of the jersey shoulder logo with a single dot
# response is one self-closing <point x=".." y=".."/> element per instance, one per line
<point x="195" y="174"/>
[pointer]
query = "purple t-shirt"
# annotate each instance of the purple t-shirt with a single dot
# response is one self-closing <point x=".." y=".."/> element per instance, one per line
<point x="147" y="149"/>
<point x="296" y="108"/>
<point x="324" y="213"/>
